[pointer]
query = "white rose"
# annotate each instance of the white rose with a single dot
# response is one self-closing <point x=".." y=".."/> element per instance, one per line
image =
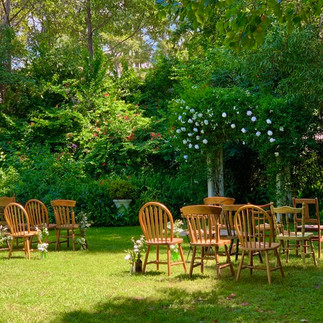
<point x="178" y="130"/>
<point x="197" y="137"/>
<point x="202" y="131"/>
<point x="179" y="117"/>
<point x="184" y="141"/>
<point x="190" y="121"/>
<point x="185" y="156"/>
<point x="190" y="146"/>
<point x="249" y="113"/>
<point x="272" y="140"/>
<point x="127" y="257"/>
<point x="196" y="147"/>
<point x="253" y="119"/>
<point x="269" y="133"/>
<point x="224" y="114"/>
<point x="200" y="115"/>
<point x="195" y="129"/>
<point x="206" y="122"/>
<point x="205" y="141"/>
<point x="276" y="154"/>
<point x="192" y="110"/>
<point x="258" y="133"/>
<point x="243" y="130"/>
<point x="268" y="121"/>
<point x="233" y="125"/>
<point x="281" y="128"/>
<point x="183" y="128"/>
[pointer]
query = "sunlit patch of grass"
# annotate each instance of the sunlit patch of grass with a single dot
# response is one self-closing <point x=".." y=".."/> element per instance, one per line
<point x="96" y="286"/>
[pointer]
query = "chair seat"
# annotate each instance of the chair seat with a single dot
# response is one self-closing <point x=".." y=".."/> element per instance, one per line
<point x="51" y="226"/>
<point x="165" y="242"/>
<point x="294" y="236"/>
<point x="260" y="246"/>
<point x="210" y="243"/>
<point x="24" y="234"/>
<point x="224" y="233"/>
<point x="261" y="227"/>
<point x="67" y="226"/>
<point x="311" y="227"/>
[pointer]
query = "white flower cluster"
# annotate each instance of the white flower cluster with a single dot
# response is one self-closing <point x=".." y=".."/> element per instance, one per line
<point x="193" y="125"/>
<point x="42" y="247"/>
<point x="138" y="248"/>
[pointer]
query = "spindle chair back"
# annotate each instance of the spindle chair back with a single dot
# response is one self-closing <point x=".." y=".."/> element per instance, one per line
<point x="19" y="226"/>
<point x="312" y="219"/>
<point x="252" y="240"/>
<point x="204" y="233"/>
<point x="286" y="220"/>
<point x="157" y="224"/>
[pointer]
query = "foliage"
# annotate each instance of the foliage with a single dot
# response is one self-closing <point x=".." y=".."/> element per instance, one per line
<point x="244" y="23"/>
<point x="120" y="189"/>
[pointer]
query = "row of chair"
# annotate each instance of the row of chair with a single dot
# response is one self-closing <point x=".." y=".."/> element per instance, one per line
<point x="23" y="222"/>
<point x="250" y="225"/>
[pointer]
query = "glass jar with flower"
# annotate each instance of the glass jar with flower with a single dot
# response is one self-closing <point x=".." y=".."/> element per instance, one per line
<point x="43" y="246"/>
<point x="134" y="255"/>
<point x="178" y="229"/>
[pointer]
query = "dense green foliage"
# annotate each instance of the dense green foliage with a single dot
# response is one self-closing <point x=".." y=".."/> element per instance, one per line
<point x="73" y="117"/>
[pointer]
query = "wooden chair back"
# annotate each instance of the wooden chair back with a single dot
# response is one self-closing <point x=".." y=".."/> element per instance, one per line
<point x="17" y="218"/>
<point x="4" y="201"/>
<point x="203" y="223"/>
<point x="37" y="212"/>
<point x="311" y="209"/>
<point x="228" y="212"/>
<point x="286" y="219"/>
<point x="246" y="219"/>
<point x="156" y="222"/>
<point x="64" y="211"/>
<point x="219" y="200"/>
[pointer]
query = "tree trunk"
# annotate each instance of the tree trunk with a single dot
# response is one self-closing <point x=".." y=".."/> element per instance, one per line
<point x="215" y="173"/>
<point x="283" y="186"/>
<point x="89" y="29"/>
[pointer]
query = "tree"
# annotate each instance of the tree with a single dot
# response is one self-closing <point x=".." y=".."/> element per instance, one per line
<point x="245" y="23"/>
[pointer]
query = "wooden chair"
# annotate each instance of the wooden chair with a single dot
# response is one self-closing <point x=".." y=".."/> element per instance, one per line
<point x="252" y="240"/>
<point x="219" y="201"/>
<point x="312" y="224"/>
<point x="287" y="232"/>
<point x="38" y="216"/>
<point x="153" y="218"/>
<point x="65" y="221"/>
<point x="229" y="232"/>
<point x="4" y="201"/>
<point x="204" y="232"/>
<point x="19" y="226"/>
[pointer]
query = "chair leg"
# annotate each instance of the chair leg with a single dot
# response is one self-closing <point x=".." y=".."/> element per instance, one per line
<point x="267" y="267"/>
<point x="313" y="252"/>
<point x="157" y="257"/>
<point x="218" y="270"/>
<point x="279" y="262"/>
<point x="58" y="233"/>
<point x="319" y="246"/>
<point x="237" y="249"/>
<point x="250" y="261"/>
<point x="27" y="244"/>
<point x="168" y="260"/>
<point x="182" y="257"/>
<point x="73" y="239"/>
<point x="146" y="258"/>
<point x="240" y="265"/>
<point x="192" y="261"/>
<point x="11" y="247"/>
<point x="202" y="259"/>
<point x="68" y="238"/>
<point x="229" y="259"/>
<point x="287" y="251"/>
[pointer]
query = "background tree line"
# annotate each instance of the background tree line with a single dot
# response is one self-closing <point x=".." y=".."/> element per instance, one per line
<point x="91" y="90"/>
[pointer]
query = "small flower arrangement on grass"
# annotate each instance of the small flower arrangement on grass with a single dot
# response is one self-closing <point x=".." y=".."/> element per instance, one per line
<point x="43" y="246"/>
<point x="84" y="226"/>
<point x="134" y="255"/>
<point x="4" y="237"/>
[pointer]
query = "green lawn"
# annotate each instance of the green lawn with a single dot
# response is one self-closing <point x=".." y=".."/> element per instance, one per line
<point x="96" y="286"/>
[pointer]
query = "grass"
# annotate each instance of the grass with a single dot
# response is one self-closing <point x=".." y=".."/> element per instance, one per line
<point x="96" y="286"/>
